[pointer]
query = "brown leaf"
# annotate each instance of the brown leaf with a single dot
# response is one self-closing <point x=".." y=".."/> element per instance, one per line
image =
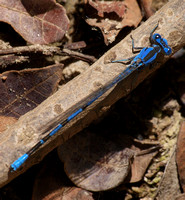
<point x="181" y="85"/>
<point x="144" y="153"/>
<point x="180" y="155"/>
<point x="101" y="163"/>
<point x="6" y="121"/>
<point x="21" y="91"/>
<point x="112" y="16"/>
<point x="52" y="184"/>
<point x="38" y="22"/>
<point x="169" y="186"/>
<point x="142" y="160"/>
<point x="180" y="197"/>
<point x="97" y="164"/>
<point x="147" y="7"/>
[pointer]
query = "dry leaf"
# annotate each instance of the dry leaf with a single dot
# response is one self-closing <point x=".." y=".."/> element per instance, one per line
<point x="169" y="186"/>
<point x="97" y="164"/>
<point x="21" y="91"/>
<point x="52" y="184"/>
<point x="147" y="7"/>
<point x="100" y="163"/>
<point x="112" y="16"/>
<point x="38" y="22"/>
<point x="180" y="155"/>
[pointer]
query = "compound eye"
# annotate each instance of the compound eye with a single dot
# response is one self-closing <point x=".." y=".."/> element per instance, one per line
<point x="157" y="36"/>
<point x="169" y="51"/>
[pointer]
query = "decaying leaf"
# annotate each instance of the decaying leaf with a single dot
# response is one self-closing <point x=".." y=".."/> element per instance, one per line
<point x="180" y="197"/>
<point x="21" y="91"/>
<point x="146" y="152"/>
<point x="181" y="86"/>
<point x="180" y="155"/>
<point x="169" y="186"/>
<point x="112" y="16"/>
<point x="147" y="7"/>
<point x="38" y="22"/>
<point x="97" y="163"/>
<point x="51" y="183"/>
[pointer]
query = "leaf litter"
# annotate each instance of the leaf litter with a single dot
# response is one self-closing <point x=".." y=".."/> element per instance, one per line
<point x="164" y="129"/>
<point x="113" y="16"/>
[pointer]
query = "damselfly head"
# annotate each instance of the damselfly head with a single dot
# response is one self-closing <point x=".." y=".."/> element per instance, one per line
<point x="162" y="42"/>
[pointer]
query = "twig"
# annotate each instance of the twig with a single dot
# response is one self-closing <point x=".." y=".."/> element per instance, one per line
<point x="45" y="49"/>
<point x="75" y="45"/>
<point x="79" y="55"/>
<point x="49" y="51"/>
<point x="11" y="59"/>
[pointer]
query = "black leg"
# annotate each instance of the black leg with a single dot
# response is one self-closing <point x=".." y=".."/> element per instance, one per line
<point x="151" y="33"/>
<point x="124" y="60"/>
<point x="135" y="49"/>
